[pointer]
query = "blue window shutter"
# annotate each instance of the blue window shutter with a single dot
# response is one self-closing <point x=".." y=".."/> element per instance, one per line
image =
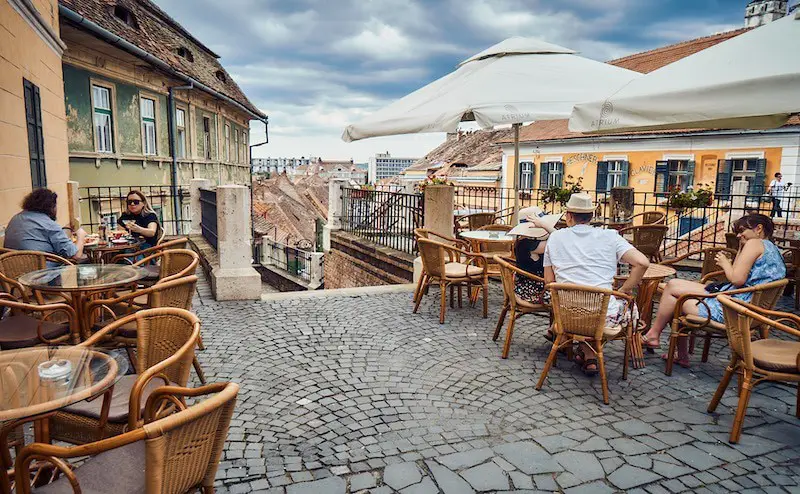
<point x="662" y="177"/>
<point x="761" y="177"/>
<point x="690" y="169"/>
<point x="545" y="169"/>
<point x="723" y="185"/>
<point x="625" y="172"/>
<point x="602" y="176"/>
<point x="560" y="167"/>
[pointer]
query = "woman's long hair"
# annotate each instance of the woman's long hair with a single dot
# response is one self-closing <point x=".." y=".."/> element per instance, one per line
<point x="147" y="208"/>
<point x="752" y="221"/>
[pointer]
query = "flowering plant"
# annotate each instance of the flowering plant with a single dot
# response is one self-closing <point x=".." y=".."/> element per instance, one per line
<point x="561" y="195"/>
<point x="435" y="181"/>
<point x="698" y="196"/>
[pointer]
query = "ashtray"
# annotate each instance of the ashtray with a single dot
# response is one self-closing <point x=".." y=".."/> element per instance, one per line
<point x="55" y="370"/>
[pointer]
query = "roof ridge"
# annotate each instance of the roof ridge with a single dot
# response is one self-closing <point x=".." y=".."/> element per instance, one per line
<point x="731" y="33"/>
<point x="155" y="9"/>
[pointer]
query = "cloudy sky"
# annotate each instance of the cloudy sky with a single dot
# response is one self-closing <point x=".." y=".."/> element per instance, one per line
<point x="316" y="65"/>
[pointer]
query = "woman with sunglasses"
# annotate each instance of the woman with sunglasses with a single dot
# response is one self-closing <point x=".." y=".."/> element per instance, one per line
<point x="140" y="219"/>
<point x="759" y="261"/>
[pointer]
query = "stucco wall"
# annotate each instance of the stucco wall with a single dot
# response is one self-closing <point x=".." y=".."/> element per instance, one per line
<point x="26" y="55"/>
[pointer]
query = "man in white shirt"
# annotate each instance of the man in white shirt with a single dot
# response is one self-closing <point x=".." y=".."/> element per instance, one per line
<point x="585" y="255"/>
<point x="776" y="190"/>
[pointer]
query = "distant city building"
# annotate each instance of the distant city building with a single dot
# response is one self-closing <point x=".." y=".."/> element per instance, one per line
<point x="281" y="165"/>
<point x="384" y="165"/>
<point x="760" y="12"/>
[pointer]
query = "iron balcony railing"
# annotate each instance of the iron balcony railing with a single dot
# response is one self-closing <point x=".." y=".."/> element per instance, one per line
<point x="208" y="215"/>
<point x="384" y="217"/>
<point x="296" y="262"/>
<point x="106" y="204"/>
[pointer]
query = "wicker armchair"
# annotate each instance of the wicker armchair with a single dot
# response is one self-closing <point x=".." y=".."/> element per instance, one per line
<point x="579" y="313"/>
<point x="175" y="293"/>
<point x="451" y="267"/>
<point x="28" y="325"/>
<point x="477" y="220"/>
<point x="513" y="303"/>
<point x="169" y="265"/>
<point x="131" y="257"/>
<point x="171" y="455"/>
<point x="647" y="239"/>
<point x="431" y="235"/>
<point x="709" y="269"/>
<point x="732" y="241"/>
<point x="765" y="296"/>
<point x="651" y="218"/>
<point x="757" y="361"/>
<point x="16" y="263"/>
<point x="165" y="344"/>
<point x="791" y="256"/>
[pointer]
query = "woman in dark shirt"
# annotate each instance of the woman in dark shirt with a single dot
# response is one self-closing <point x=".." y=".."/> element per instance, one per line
<point x="140" y="219"/>
<point x="529" y="251"/>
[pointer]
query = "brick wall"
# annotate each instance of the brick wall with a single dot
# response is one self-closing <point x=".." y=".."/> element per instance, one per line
<point x="354" y="262"/>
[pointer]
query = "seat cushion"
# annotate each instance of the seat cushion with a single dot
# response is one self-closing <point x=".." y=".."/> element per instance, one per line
<point x="127" y="330"/>
<point x="776" y="355"/>
<point x="152" y="272"/>
<point x="120" y="397"/>
<point x="22" y="331"/>
<point x="120" y="470"/>
<point x="711" y="324"/>
<point x="529" y="306"/>
<point x="459" y="270"/>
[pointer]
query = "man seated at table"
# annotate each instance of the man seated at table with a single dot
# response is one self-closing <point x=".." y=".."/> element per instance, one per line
<point x="585" y="255"/>
<point x="35" y="228"/>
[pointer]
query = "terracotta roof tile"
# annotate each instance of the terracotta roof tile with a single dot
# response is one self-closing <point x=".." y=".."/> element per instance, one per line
<point x="161" y="36"/>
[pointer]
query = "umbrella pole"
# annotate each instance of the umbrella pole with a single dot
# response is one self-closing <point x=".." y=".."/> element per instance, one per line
<point x="515" y="215"/>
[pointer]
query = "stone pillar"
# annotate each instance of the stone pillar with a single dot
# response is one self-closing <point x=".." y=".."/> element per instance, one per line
<point x="738" y="199"/>
<point x="234" y="278"/>
<point x="334" y="211"/>
<point x="194" y="203"/>
<point x="317" y="274"/>
<point x="439" y="209"/>
<point x="266" y="251"/>
<point x="73" y="204"/>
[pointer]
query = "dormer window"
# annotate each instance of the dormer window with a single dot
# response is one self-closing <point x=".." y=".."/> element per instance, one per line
<point x="184" y="52"/>
<point x="221" y="76"/>
<point x="126" y="16"/>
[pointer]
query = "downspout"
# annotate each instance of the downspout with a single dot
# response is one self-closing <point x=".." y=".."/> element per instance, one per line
<point x="173" y="132"/>
<point x="252" y="220"/>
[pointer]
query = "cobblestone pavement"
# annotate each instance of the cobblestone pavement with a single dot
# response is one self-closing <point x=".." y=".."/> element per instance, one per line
<point x="356" y="394"/>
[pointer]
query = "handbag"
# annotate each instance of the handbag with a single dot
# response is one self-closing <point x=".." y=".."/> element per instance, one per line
<point x="716" y="287"/>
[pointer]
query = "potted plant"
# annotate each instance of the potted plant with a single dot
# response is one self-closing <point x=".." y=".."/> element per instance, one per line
<point x="700" y="196"/>
<point x="560" y="195"/>
<point x="434" y="181"/>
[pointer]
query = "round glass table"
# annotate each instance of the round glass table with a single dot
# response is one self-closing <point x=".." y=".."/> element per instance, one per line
<point x="98" y="252"/>
<point x="37" y="381"/>
<point x="81" y="281"/>
<point x="487" y="236"/>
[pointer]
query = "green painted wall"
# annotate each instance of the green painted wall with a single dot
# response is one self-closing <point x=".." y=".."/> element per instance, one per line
<point x="163" y="126"/>
<point x="79" y="109"/>
<point x="201" y="142"/>
<point x="129" y="127"/>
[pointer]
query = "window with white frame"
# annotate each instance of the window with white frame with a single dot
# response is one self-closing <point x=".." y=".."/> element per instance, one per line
<point x="552" y="174"/>
<point x="674" y="174"/>
<point x="612" y="173"/>
<point x="526" y="175"/>
<point x="103" y="123"/>
<point x="243" y="141"/>
<point x="148" y="112"/>
<point x="207" y="137"/>
<point x="227" y="146"/>
<point x="180" y="125"/>
<point x="752" y="170"/>
<point x="235" y="158"/>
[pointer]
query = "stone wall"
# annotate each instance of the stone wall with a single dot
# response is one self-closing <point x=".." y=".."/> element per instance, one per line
<point x="355" y="262"/>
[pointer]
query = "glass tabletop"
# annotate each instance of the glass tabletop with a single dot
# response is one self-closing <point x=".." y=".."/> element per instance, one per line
<point x="495" y="236"/>
<point x="42" y="379"/>
<point x="121" y="244"/>
<point x="82" y="277"/>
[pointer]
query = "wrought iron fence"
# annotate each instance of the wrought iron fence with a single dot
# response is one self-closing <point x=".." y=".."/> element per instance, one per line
<point x="386" y="218"/>
<point x="292" y="260"/>
<point x="106" y="204"/>
<point x="208" y="215"/>
<point x="470" y="199"/>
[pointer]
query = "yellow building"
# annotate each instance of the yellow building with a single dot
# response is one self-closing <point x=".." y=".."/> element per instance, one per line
<point x="654" y="162"/>
<point x="33" y="128"/>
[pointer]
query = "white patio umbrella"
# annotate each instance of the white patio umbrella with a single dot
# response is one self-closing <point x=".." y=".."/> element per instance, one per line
<point x="517" y="80"/>
<point x="751" y="81"/>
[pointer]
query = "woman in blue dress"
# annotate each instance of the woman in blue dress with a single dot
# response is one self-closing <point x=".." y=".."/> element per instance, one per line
<point x="759" y="261"/>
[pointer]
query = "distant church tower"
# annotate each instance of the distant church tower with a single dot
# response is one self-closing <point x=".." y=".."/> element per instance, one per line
<point x="760" y="12"/>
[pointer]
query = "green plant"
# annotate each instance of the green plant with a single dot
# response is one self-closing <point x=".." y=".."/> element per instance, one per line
<point x="698" y="196"/>
<point x="435" y="181"/>
<point x="562" y="194"/>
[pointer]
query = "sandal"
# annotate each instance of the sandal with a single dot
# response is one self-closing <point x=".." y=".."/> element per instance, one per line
<point x="682" y="362"/>
<point x="585" y="363"/>
<point x="648" y="344"/>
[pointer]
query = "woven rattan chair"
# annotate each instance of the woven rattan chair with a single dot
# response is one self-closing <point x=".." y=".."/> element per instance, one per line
<point x="732" y="241"/>
<point x="16" y="263"/>
<point x="764" y="296"/>
<point x="709" y="269"/>
<point x="791" y="256"/>
<point x="651" y="218"/>
<point x="165" y="341"/>
<point x="455" y="242"/>
<point x="131" y="257"/>
<point x="168" y="265"/>
<point x="647" y="239"/>
<point x="513" y="303"/>
<point x="26" y="325"/>
<point x="174" y="293"/>
<point x="451" y="267"/>
<point x="767" y="359"/>
<point x="174" y="454"/>
<point x="477" y="220"/>
<point x="579" y="315"/>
